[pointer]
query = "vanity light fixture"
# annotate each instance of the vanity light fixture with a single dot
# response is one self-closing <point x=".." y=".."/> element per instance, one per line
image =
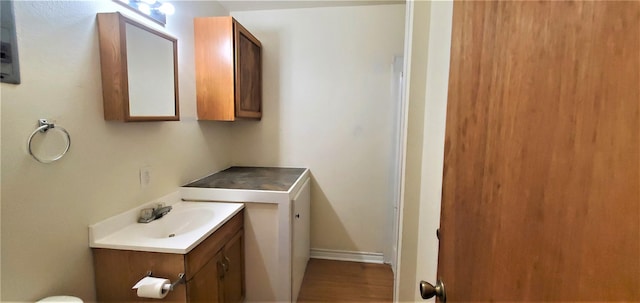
<point x="152" y="9"/>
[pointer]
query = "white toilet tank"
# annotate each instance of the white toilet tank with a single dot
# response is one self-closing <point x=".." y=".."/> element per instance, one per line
<point x="60" y="299"/>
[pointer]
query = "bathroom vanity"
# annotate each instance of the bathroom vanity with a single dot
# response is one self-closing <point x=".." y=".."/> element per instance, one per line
<point x="276" y="225"/>
<point x="199" y="246"/>
<point x="239" y="234"/>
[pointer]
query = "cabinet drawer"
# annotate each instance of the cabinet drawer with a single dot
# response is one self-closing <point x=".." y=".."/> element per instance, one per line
<point x="203" y="253"/>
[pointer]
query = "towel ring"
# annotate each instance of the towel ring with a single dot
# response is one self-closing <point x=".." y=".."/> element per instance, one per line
<point x="43" y="127"/>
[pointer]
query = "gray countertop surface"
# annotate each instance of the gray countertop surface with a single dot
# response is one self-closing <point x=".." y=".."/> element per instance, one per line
<point x="251" y="178"/>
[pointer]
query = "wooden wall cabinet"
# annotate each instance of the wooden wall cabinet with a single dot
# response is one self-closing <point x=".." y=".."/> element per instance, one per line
<point x="139" y="67"/>
<point x="214" y="270"/>
<point x="228" y="70"/>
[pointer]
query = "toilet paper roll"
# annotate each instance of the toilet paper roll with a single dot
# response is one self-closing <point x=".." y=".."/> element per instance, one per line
<point x="151" y="287"/>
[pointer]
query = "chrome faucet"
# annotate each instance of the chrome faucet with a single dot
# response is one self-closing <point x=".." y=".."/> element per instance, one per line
<point x="150" y="214"/>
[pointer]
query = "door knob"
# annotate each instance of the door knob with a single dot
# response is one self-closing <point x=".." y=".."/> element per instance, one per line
<point x="428" y="291"/>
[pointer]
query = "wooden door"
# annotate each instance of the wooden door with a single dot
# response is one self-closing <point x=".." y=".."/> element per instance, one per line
<point x="248" y="54"/>
<point x="541" y="173"/>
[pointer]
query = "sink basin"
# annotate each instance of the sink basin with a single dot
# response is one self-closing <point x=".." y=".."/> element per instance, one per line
<point x="179" y="231"/>
<point x="178" y="222"/>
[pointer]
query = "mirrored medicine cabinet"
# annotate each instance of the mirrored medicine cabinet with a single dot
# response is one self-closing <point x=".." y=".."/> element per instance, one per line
<point x="139" y="71"/>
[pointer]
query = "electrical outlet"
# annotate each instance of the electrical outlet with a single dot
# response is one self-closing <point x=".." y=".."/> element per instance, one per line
<point x="145" y="176"/>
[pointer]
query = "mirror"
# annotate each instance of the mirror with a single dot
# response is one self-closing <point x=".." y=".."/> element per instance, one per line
<point x="139" y="71"/>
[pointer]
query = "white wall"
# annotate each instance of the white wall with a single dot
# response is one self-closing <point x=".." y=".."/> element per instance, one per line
<point x="328" y="106"/>
<point x="46" y="209"/>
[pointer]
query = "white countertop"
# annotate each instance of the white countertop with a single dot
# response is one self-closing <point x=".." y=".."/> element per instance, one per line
<point x="179" y="231"/>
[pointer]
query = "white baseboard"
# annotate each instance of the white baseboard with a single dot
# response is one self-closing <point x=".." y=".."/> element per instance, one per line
<point x="341" y="255"/>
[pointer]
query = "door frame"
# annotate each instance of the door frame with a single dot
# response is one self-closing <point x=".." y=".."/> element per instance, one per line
<point x="408" y="33"/>
<point x="435" y="101"/>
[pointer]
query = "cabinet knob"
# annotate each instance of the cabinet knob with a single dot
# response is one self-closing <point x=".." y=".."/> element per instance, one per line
<point x="222" y="270"/>
<point x="297" y="216"/>
<point x="226" y="263"/>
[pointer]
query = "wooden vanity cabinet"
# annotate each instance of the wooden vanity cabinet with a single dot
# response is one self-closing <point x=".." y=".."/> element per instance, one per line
<point x="225" y="270"/>
<point x="214" y="270"/>
<point x="228" y="70"/>
<point x="205" y="286"/>
<point x="233" y="277"/>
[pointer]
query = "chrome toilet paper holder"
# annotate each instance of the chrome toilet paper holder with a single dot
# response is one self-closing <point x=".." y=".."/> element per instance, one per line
<point x="173" y="284"/>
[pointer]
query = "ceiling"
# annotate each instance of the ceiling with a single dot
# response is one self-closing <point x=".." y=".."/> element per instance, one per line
<point x="244" y="5"/>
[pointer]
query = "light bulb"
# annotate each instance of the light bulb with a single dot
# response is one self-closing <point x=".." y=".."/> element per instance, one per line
<point x="150" y="2"/>
<point x="167" y="8"/>
<point x="144" y="8"/>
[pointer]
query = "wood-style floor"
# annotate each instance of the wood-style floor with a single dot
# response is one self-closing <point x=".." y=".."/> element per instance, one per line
<point x="340" y="281"/>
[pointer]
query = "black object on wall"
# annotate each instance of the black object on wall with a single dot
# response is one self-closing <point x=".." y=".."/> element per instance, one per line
<point x="10" y="69"/>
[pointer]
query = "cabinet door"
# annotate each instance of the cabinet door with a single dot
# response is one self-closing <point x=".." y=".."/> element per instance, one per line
<point x="248" y="101"/>
<point x="234" y="275"/>
<point x="301" y="224"/>
<point x="206" y="285"/>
